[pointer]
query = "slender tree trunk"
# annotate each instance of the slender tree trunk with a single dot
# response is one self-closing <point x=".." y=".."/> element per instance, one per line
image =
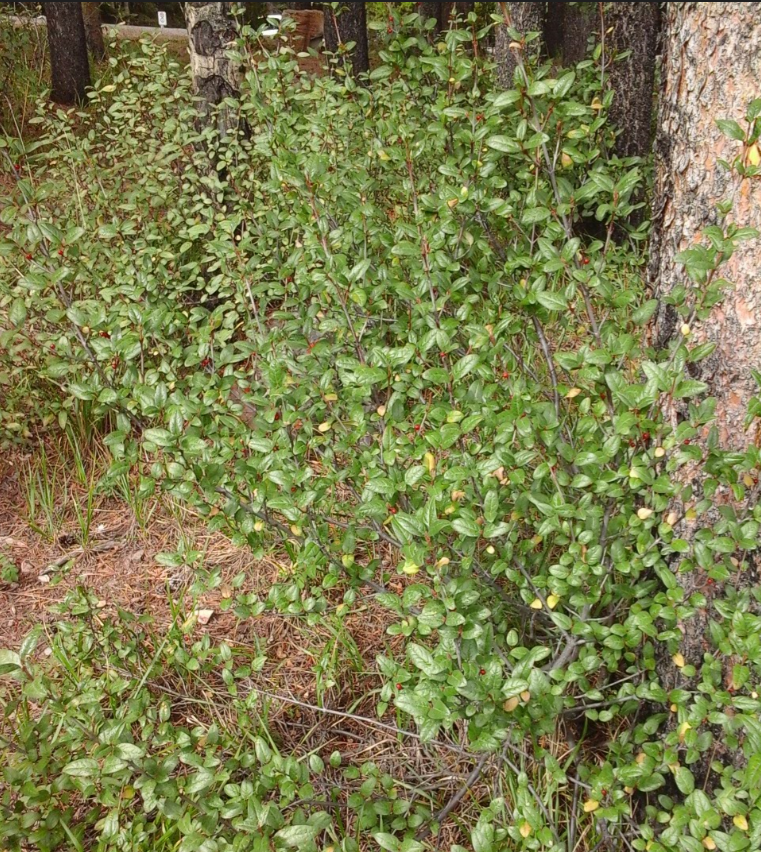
<point x="576" y="24"/>
<point x="215" y="77"/>
<point x="69" y="68"/>
<point x="349" y="25"/>
<point x="526" y="18"/>
<point x="711" y="70"/>
<point x="439" y="11"/>
<point x="634" y="27"/>
<point x="94" y="30"/>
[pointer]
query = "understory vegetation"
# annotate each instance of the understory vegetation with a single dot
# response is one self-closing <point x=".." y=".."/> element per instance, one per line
<point x="399" y="335"/>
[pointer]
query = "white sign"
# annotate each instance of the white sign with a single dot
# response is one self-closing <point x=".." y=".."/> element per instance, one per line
<point x="162" y="19"/>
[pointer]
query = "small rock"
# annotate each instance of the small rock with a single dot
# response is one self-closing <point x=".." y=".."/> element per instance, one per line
<point x="43" y="578"/>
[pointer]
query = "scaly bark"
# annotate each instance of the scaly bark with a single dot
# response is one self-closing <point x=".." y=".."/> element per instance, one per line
<point x="69" y="67"/>
<point x="526" y="18"/>
<point x="349" y="25"/>
<point x="94" y="30"/>
<point x="212" y="32"/>
<point x="711" y="68"/>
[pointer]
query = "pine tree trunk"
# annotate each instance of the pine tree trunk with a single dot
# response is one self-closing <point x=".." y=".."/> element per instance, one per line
<point x="94" y="30"/>
<point x="215" y="77"/>
<point x="711" y="69"/>
<point x="349" y="25"/>
<point x="69" y="68"/>
<point x="526" y="18"/>
<point x="634" y="27"/>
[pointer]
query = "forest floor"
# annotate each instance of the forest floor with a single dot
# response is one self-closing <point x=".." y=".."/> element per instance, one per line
<point x="321" y="678"/>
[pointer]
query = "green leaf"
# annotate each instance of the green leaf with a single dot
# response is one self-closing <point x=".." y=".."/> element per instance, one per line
<point x="10" y="661"/>
<point x="482" y="836"/>
<point x="467" y="527"/>
<point x="552" y="301"/>
<point x="17" y="313"/>
<point x="464" y="366"/>
<point x="729" y="127"/>
<point x="297" y="835"/>
<point x="502" y="143"/>
<point x="533" y="215"/>
<point x="84" y="768"/>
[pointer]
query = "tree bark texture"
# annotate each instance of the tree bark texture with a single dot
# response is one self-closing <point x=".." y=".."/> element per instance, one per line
<point x="526" y="18"/>
<point x="572" y="27"/>
<point x="212" y="33"/>
<point x="711" y="69"/>
<point x="349" y="25"/>
<point x="94" y="30"/>
<point x="634" y="27"/>
<point x="69" y="67"/>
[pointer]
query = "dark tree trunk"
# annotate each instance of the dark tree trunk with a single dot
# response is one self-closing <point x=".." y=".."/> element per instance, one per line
<point x="577" y="23"/>
<point x="634" y="27"/>
<point x="526" y="18"/>
<point x="215" y="77"/>
<point x="69" y="68"/>
<point x="439" y="11"/>
<point x="94" y="30"/>
<point x="349" y="25"/>
<point x="711" y="68"/>
<point x="300" y="6"/>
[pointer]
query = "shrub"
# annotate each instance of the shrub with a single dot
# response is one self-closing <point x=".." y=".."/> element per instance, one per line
<point x="400" y="330"/>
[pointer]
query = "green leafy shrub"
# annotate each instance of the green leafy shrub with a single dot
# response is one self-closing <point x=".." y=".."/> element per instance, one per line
<point x="375" y="329"/>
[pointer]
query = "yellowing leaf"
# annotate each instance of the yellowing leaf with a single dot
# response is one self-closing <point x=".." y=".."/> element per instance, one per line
<point x="740" y="822"/>
<point x="430" y="463"/>
<point x="552" y="601"/>
<point x="754" y="154"/>
<point x="678" y="660"/>
<point x="511" y="704"/>
<point x="331" y="397"/>
<point x="380" y="410"/>
<point x="453" y="202"/>
<point x="644" y="513"/>
<point x="109" y="88"/>
<point x="659" y="452"/>
<point x="525" y="829"/>
<point x="565" y="160"/>
<point x="672" y="518"/>
<point x="382" y="155"/>
<point x="536" y="604"/>
<point x="596" y="104"/>
<point x="525" y="696"/>
<point x="295" y="529"/>
<point x="410" y="567"/>
<point x="458" y="495"/>
<point x="442" y="562"/>
<point x="324" y="427"/>
<point x="572" y="393"/>
<point x="748" y="480"/>
<point x="591" y="805"/>
<point x="685" y="329"/>
<point x="709" y="843"/>
<point x="258" y="526"/>
<point x="682" y="730"/>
